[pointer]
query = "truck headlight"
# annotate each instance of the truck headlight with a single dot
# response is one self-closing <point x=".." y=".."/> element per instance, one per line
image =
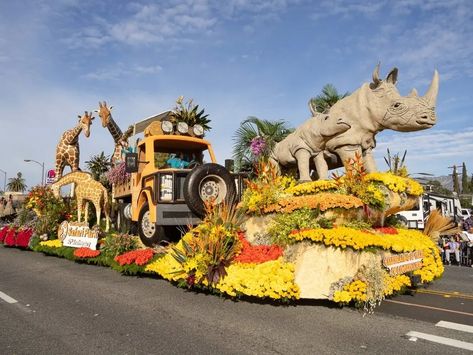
<point x="165" y="187"/>
<point x="166" y="126"/>
<point x="182" y="127"/>
<point x="198" y="130"/>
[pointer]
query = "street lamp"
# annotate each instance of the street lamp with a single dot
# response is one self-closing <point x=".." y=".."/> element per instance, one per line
<point x="42" y="168"/>
<point x="5" y="181"/>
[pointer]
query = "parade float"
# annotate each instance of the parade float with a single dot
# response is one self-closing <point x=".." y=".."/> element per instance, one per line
<point x="284" y="238"/>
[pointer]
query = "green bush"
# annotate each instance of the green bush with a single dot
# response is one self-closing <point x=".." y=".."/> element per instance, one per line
<point x="116" y="244"/>
<point x="284" y="223"/>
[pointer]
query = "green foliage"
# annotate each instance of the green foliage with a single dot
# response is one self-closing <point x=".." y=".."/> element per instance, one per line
<point x="51" y="210"/>
<point x="189" y="113"/>
<point x="465" y="185"/>
<point x="438" y="188"/>
<point x="357" y="224"/>
<point x="284" y="223"/>
<point x="25" y="218"/>
<point x="17" y="184"/>
<point x="116" y="244"/>
<point x="456" y="184"/>
<point x="99" y="165"/>
<point x="329" y="96"/>
<point x="396" y="164"/>
<point x="270" y="131"/>
<point x="62" y="252"/>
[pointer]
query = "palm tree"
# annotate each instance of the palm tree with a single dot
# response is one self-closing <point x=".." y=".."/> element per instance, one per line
<point x="98" y="165"/>
<point x="329" y="96"/>
<point x="254" y="131"/>
<point x="17" y="184"/>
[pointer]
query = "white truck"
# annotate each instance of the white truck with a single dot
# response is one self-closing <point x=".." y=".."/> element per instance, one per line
<point x="415" y="218"/>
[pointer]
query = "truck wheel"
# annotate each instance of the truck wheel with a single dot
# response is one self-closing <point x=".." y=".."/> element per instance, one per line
<point x="150" y="233"/>
<point x="208" y="182"/>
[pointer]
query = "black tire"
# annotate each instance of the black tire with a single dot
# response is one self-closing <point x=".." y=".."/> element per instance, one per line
<point x="206" y="182"/>
<point x="402" y="221"/>
<point x="150" y="233"/>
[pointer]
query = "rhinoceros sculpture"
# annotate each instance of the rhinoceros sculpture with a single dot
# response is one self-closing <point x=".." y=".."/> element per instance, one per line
<point x="327" y="140"/>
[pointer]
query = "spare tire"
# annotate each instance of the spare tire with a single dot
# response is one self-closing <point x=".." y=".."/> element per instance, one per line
<point x="208" y="182"/>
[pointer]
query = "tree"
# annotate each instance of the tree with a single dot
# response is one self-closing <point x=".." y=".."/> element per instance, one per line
<point x="98" y="165"/>
<point x="17" y="184"/>
<point x="329" y="96"/>
<point x="465" y="185"/>
<point x="438" y="188"/>
<point x="456" y="187"/>
<point x="255" y="139"/>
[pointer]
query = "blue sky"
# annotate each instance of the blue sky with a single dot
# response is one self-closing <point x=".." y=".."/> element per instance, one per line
<point x="235" y="58"/>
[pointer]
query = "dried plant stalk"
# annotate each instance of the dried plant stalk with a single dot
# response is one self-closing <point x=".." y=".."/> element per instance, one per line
<point x="437" y="224"/>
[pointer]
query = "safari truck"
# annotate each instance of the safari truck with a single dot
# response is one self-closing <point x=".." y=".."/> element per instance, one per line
<point x="173" y="173"/>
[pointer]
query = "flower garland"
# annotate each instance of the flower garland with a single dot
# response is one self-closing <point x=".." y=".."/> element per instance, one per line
<point x="396" y="183"/>
<point x="404" y="241"/>
<point x="55" y="243"/>
<point x="257" y="254"/>
<point x="139" y="257"/>
<point x="312" y="187"/>
<point x="322" y="201"/>
<point x="85" y="253"/>
<point x="273" y="279"/>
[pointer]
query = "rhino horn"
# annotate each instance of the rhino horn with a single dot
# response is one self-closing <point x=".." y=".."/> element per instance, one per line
<point x="376" y="79"/>
<point x="413" y="93"/>
<point x="431" y="94"/>
<point x="312" y="108"/>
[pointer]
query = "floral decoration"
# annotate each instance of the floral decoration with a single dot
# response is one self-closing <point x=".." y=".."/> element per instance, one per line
<point x="257" y="253"/>
<point x="117" y="174"/>
<point x="84" y="253"/>
<point x="396" y="183"/>
<point x="312" y="187"/>
<point x="55" y="243"/>
<point x="322" y="201"/>
<point x="139" y="257"/>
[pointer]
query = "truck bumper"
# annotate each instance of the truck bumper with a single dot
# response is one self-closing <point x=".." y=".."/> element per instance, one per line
<point x="175" y="215"/>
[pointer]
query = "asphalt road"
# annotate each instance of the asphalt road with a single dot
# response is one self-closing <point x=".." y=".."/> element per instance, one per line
<point x="68" y="308"/>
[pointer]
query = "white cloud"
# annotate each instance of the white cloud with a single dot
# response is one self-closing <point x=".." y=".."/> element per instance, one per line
<point x="120" y="71"/>
<point x="432" y="151"/>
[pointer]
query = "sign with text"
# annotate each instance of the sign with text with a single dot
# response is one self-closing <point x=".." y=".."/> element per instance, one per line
<point x="50" y="176"/>
<point x="402" y="263"/>
<point x="78" y="235"/>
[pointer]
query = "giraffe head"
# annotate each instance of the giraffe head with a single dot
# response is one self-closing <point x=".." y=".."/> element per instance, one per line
<point x="85" y="121"/>
<point x="104" y="113"/>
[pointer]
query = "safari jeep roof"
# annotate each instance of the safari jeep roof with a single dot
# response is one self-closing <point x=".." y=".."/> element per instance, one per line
<point x="140" y="126"/>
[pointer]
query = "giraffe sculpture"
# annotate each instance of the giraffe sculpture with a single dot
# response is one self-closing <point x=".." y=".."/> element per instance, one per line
<point x="67" y="150"/>
<point x="120" y="138"/>
<point x="86" y="189"/>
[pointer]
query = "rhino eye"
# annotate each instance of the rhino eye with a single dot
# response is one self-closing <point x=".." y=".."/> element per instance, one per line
<point x="397" y="104"/>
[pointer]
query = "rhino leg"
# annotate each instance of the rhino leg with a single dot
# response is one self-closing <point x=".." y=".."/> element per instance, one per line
<point x="321" y="166"/>
<point x="369" y="162"/>
<point x="303" y="160"/>
<point x="348" y="152"/>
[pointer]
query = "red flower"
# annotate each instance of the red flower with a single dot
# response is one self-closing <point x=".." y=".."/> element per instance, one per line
<point x="86" y="253"/>
<point x="10" y="238"/>
<point x="23" y="238"/>
<point x="257" y="253"/>
<point x="139" y="257"/>
<point x="3" y="233"/>
<point x="386" y="230"/>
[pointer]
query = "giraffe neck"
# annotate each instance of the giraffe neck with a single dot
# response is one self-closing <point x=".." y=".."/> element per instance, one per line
<point x="115" y="131"/>
<point x="72" y="136"/>
<point x="67" y="179"/>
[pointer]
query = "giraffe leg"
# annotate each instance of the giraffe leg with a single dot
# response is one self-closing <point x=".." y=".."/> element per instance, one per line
<point x="98" y="211"/>
<point x="86" y="217"/>
<point x="79" y="208"/>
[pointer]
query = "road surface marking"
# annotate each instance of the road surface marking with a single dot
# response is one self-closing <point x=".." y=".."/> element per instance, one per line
<point x="447" y="294"/>
<point x="456" y="326"/>
<point x="430" y="307"/>
<point x="7" y="298"/>
<point x="441" y="340"/>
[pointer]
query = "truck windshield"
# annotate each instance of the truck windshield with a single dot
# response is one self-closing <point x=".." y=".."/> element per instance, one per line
<point x="168" y="154"/>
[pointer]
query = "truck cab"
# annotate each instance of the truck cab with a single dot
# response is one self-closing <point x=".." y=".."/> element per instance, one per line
<point x="173" y="176"/>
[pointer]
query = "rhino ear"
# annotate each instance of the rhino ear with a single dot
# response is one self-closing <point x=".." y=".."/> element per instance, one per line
<point x="392" y="76"/>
